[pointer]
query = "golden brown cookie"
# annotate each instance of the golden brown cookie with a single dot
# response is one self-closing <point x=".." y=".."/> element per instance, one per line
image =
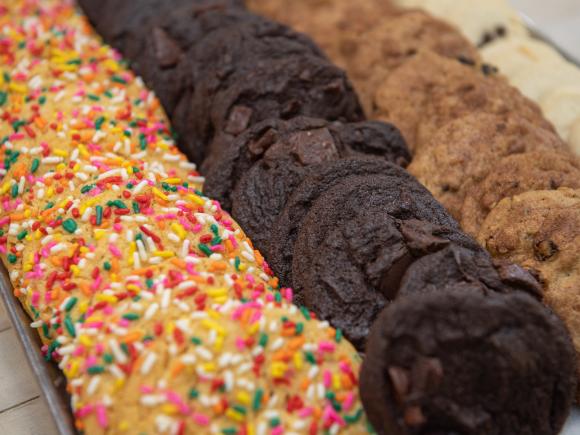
<point x="466" y="149"/>
<point x="540" y="230"/>
<point x="429" y="91"/>
<point x="371" y="55"/>
<point x="516" y="174"/>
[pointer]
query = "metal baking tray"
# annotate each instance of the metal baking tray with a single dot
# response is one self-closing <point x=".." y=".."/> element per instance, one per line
<point x="51" y="380"/>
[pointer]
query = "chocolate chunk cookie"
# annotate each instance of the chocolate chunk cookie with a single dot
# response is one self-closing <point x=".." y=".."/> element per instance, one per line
<point x="457" y="362"/>
<point x="466" y="269"/>
<point x="512" y="175"/>
<point x="429" y="91"/>
<point x="356" y="242"/>
<point x="467" y="149"/>
<point x="286" y="227"/>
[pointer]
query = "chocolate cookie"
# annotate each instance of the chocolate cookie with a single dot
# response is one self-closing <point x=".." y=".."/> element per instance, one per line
<point x="457" y="362"/>
<point x="512" y="175"/>
<point x="286" y="227"/>
<point x="356" y="242"/>
<point x="465" y="269"/>
<point x="429" y="91"/>
<point x="302" y="137"/>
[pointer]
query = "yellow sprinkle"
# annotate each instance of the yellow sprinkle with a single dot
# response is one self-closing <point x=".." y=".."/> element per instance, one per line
<point x="219" y="343"/>
<point x="85" y="340"/>
<point x="83" y="151"/>
<point x="134" y="288"/>
<point x="123" y="426"/>
<point x="253" y="328"/>
<point x="119" y="383"/>
<point x="75" y="269"/>
<point x="73" y="369"/>
<point x="174" y="180"/>
<point x="111" y="65"/>
<point x="61" y="167"/>
<point x="83" y="307"/>
<point x="49" y="192"/>
<point x="5" y="188"/>
<point x="278" y="369"/>
<point x="100" y="233"/>
<point x="27" y="267"/>
<point x="106" y="298"/>
<point x="169" y="408"/>
<point x="17" y="87"/>
<point x="179" y="230"/>
<point x="195" y="198"/>
<point x="336" y="382"/>
<point x="217" y="292"/>
<point x="163" y="254"/>
<point x="60" y="153"/>
<point x="83" y="249"/>
<point x="27" y="213"/>
<point x="160" y="194"/>
<point x="243" y="397"/>
<point x="210" y="324"/>
<point x="235" y="415"/>
<point x="209" y="367"/>
<point x="298" y="361"/>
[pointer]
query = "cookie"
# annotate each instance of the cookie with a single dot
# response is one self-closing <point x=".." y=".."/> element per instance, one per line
<point x="373" y="54"/>
<point x="460" y="361"/>
<point x="429" y="91"/>
<point x="515" y="174"/>
<point x="301" y="138"/>
<point x="455" y="267"/>
<point x="357" y="240"/>
<point x="467" y="149"/>
<point x="286" y="227"/>
<point x="562" y="107"/>
<point x="480" y="22"/>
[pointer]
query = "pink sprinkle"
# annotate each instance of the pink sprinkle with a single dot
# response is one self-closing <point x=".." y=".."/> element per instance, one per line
<point x="201" y="419"/>
<point x="329" y="415"/>
<point x="348" y="401"/>
<point x="102" y="416"/>
<point x="35" y="299"/>
<point x="84" y="411"/>
<point x="79" y="351"/>
<point x="146" y="389"/>
<point x="124" y="323"/>
<point x="278" y="430"/>
<point x="174" y="398"/>
<point x="16" y="136"/>
<point x="118" y="227"/>
<point x="344" y="367"/>
<point x="4" y="221"/>
<point x="326" y="346"/>
<point x="197" y="228"/>
<point x="327" y="378"/>
<point x="305" y="412"/>
<point x="100" y="348"/>
<point x="269" y="297"/>
<point x="240" y="344"/>
<point x="233" y="241"/>
<point x="115" y="251"/>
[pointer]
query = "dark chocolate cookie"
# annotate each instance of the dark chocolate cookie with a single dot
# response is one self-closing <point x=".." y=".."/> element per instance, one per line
<point x="356" y="243"/>
<point x="467" y="269"/>
<point x="286" y="227"/>
<point x="456" y="362"/>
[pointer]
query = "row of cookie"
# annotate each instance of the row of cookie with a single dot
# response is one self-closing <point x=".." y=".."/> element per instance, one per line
<point x="150" y="298"/>
<point x="538" y="70"/>
<point x="352" y="234"/>
<point x="476" y="140"/>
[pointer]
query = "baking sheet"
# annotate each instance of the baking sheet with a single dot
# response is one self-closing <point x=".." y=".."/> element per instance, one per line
<point x="51" y="380"/>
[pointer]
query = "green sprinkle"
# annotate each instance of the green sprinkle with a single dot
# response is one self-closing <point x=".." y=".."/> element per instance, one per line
<point x="12" y="258"/>
<point x="14" y="190"/>
<point x="305" y="313"/>
<point x="257" y="401"/>
<point x="149" y="282"/>
<point x="35" y="165"/>
<point x="3" y="98"/>
<point x="214" y="229"/>
<point x="108" y="358"/>
<point x="299" y="328"/>
<point x="338" y="335"/>
<point x="143" y="142"/>
<point x="193" y="393"/>
<point x="99" y="122"/>
<point x="241" y="409"/>
<point x="70" y="303"/>
<point x="116" y="203"/>
<point x="74" y="62"/>
<point x="205" y="249"/>
<point x="49" y="205"/>
<point x="70" y="327"/>
<point x="277" y="297"/>
<point x="99" y="210"/>
<point x="353" y="418"/>
<point x="94" y="97"/>
<point x="274" y="422"/>
<point x="95" y="370"/>
<point x="87" y="188"/>
<point x="107" y="265"/>
<point x="70" y="225"/>
<point x="148" y="338"/>
<point x="125" y="348"/>
<point x="196" y="341"/>
<point x="22" y="235"/>
<point x="17" y="124"/>
<point x="237" y="263"/>
<point x="118" y="79"/>
<point x="263" y="340"/>
<point x="42" y="100"/>
<point x="45" y="330"/>
<point x="310" y="357"/>
<point x="131" y="316"/>
<point x="136" y="208"/>
<point x="6" y="77"/>
<point x="229" y="431"/>
<point x="51" y="348"/>
<point x="108" y="94"/>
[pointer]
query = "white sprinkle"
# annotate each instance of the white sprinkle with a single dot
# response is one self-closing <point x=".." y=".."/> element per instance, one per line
<point x="57" y="248"/>
<point x="52" y="160"/>
<point x="148" y="363"/>
<point x="82" y="176"/>
<point x="118" y="353"/>
<point x="93" y="385"/>
<point x="151" y="310"/>
<point x="204" y="353"/>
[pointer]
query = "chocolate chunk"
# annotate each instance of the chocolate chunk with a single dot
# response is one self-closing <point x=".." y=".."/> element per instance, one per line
<point x="457" y="362"/>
